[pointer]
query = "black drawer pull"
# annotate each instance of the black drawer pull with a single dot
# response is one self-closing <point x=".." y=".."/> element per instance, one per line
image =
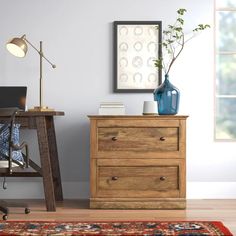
<point x="162" y="138"/>
<point x="114" y="138"/>
<point x="162" y="178"/>
<point x="114" y="178"/>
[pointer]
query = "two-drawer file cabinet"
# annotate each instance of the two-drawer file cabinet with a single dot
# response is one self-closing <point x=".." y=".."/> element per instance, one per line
<point x="138" y="162"/>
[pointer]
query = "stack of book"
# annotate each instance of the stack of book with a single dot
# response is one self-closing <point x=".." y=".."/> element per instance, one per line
<point x="111" y="108"/>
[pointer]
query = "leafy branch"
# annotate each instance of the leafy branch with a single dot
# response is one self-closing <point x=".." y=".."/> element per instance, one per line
<point x="173" y="41"/>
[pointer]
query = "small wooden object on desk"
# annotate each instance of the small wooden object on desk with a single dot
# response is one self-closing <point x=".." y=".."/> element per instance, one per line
<point x="138" y="162"/>
<point x="41" y="109"/>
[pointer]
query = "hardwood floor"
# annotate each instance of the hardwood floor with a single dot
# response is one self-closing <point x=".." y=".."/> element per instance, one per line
<point x="72" y="210"/>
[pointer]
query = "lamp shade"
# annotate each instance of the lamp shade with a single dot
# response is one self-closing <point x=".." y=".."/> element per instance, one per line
<point x="17" y="47"/>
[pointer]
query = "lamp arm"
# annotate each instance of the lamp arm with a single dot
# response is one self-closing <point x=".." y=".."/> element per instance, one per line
<point x="39" y="52"/>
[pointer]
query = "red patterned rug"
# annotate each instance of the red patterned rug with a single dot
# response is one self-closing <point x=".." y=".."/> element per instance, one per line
<point x="147" y="228"/>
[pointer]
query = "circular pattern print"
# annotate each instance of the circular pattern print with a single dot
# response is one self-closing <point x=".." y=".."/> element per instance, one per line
<point x="137" y="77"/>
<point x="138" y="30"/>
<point x="138" y="46"/>
<point x="123" y="77"/>
<point x="123" y="47"/>
<point x="152" y="47"/>
<point x="123" y="62"/>
<point x="150" y="61"/>
<point x="152" y="78"/>
<point x="123" y="30"/>
<point x="151" y="31"/>
<point x="137" y="62"/>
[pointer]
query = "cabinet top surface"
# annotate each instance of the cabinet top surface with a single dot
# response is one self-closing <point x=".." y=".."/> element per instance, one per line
<point x="161" y="117"/>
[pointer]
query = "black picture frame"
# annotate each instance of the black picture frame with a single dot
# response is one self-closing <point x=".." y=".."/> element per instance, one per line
<point x="134" y="70"/>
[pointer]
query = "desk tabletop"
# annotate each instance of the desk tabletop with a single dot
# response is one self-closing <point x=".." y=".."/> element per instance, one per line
<point x="39" y="113"/>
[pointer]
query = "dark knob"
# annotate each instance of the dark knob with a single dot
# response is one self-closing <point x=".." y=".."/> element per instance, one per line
<point x="114" y="138"/>
<point x="162" y="178"/>
<point x="162" y="138"/>
<point x="114" y="178"/>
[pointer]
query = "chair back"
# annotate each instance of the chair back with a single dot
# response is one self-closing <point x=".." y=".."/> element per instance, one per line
<point x="10" y="148"/>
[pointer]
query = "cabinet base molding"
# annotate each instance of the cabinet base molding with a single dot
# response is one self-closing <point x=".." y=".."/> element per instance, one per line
<point x="138" y="203"/>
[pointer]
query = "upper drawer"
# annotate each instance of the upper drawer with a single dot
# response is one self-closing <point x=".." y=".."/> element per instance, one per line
<point x="150" y="139"/>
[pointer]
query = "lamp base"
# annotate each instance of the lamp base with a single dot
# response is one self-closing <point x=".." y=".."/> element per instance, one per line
<point x="44" y="109"/>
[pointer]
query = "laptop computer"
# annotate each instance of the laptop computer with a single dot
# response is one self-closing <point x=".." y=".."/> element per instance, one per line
<point x="13" y="97"/>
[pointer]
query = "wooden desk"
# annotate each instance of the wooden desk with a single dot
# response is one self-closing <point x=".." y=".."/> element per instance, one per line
<point x="43" y="122"/>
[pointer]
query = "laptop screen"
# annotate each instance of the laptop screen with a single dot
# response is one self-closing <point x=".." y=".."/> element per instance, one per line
<point x="13" y="97"/>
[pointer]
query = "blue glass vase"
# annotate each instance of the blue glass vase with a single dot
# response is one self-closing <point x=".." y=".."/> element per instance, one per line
<point x="167" y="97"/>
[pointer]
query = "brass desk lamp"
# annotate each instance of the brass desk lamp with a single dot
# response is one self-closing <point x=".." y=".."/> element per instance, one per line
<point x="18" y="47"/>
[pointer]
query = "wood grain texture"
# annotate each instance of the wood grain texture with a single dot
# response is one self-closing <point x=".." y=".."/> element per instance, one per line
<point x="78" y="210"/>
<point x="41" y="113"/>
<point x="140" y="162"/>
<point x="141" y="194"/>
<point x="138" y="178"/>
<point x="138" y="117"/>
<point x="54" y="160"/>
<point x="45" y="163"/>
<point x="142" y="122"/>
<point x="173" y="204"/>
<point x="93" y="138"/>
<point x="134" y="154"/>
<point x="138" y="139"/>
<point x="43" y="122"/>
<point x="138" y="158"/>
<point x="93" y="177"/>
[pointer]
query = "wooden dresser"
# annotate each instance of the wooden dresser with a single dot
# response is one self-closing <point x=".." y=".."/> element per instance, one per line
<point x="138" y="162"/>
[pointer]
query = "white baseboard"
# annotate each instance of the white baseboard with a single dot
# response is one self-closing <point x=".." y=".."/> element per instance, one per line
<point x="80" y="190"/>
<point x="211" y="190"/>
<point x="34" y="190"/>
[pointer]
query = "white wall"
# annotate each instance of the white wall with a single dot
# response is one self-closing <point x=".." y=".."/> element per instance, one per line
<point x="77" y="36"/>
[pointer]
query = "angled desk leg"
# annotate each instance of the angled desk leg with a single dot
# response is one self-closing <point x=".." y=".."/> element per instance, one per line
<point x="45" y="163"/>
<point x="54" y="158"/>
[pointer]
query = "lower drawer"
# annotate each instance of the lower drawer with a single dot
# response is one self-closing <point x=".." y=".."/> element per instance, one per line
<point x="138" y="178"/>
<point x="141" y="179"/>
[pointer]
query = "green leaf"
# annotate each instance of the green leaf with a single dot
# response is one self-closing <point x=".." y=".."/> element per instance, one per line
<point x="158" y="63"/>
<point x="181" y="11"/>
<point x="166" y="32"/>
<point x="181" y="21"/>
<point x="179" y="29"/>
<point x="169" y="41"/>
<point x="201" y="27"/>
<point x="164" y="44"/>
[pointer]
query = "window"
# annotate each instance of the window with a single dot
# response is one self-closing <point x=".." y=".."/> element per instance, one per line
<point x="225" y="117"/>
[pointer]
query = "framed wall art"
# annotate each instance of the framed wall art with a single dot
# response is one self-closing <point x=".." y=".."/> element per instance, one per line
<point x="136" y="45"/>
